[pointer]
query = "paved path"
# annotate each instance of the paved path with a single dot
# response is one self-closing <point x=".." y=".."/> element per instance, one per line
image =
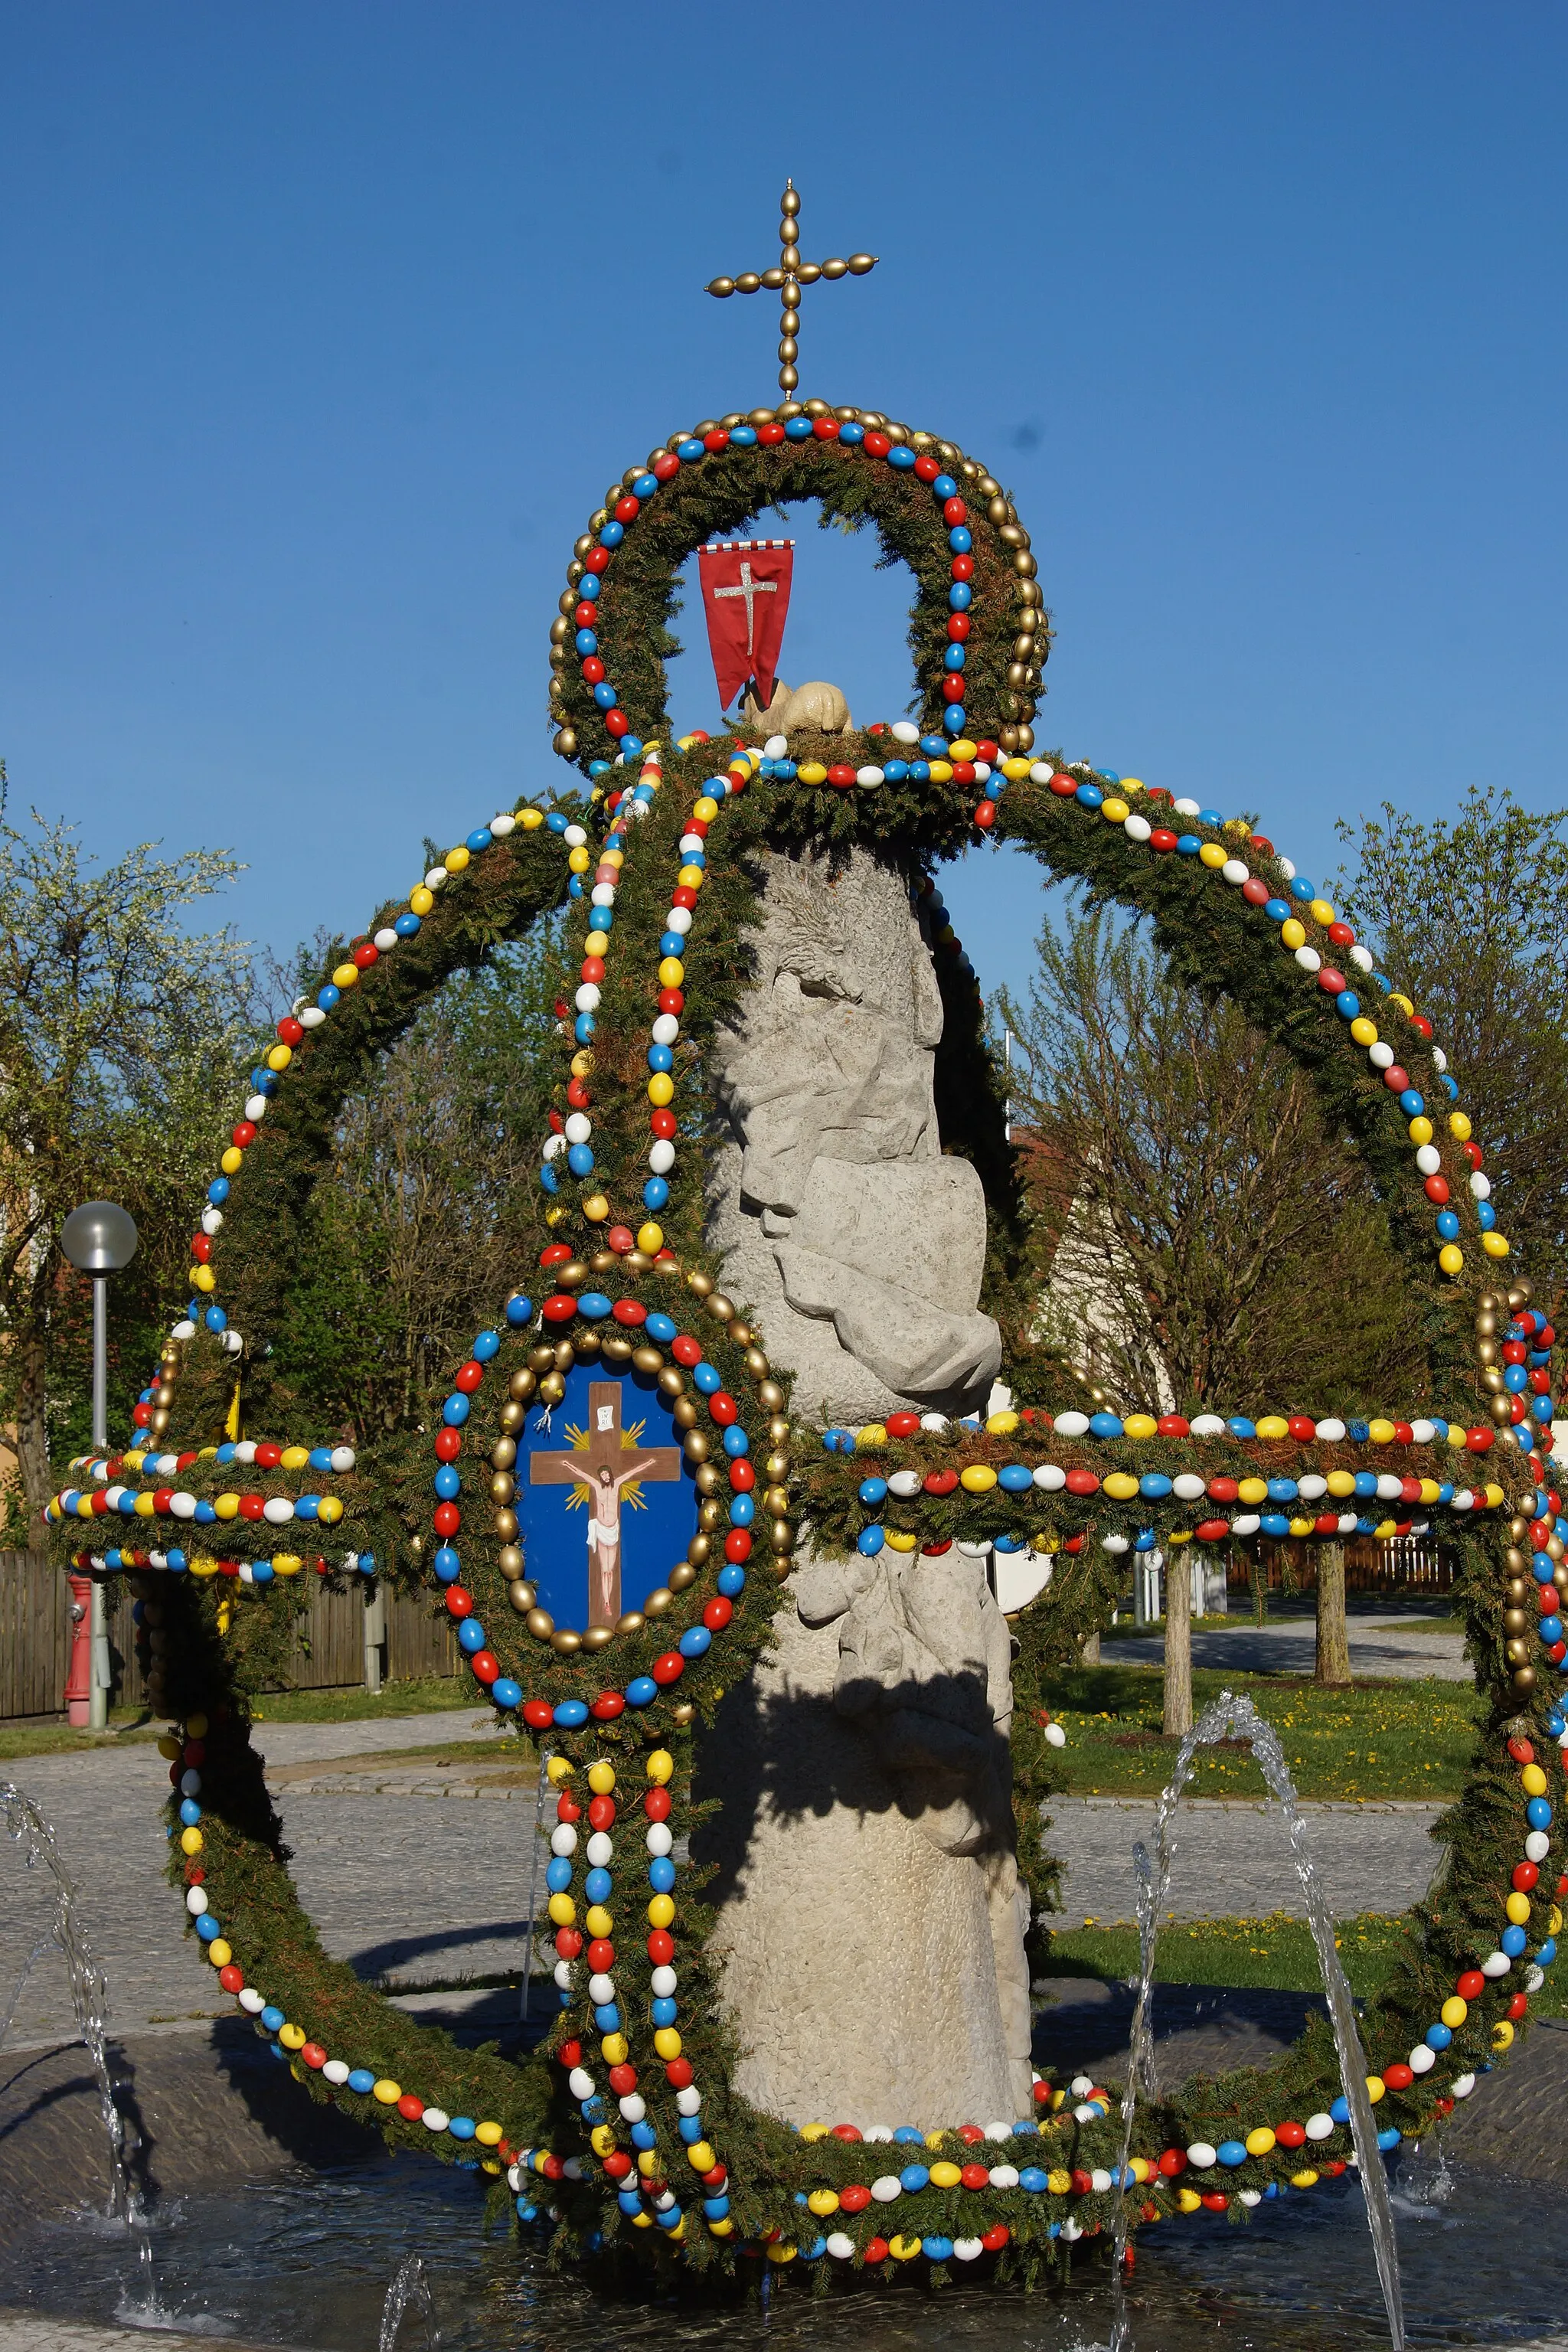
<point x="1235" y="1859"/>
<point x="434" y="1893"/>
<point x="428" y="1885"/>
<point x="1381" y="1650"/>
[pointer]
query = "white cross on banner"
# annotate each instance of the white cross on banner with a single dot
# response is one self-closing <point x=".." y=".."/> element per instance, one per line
<point x="745" y="596"/>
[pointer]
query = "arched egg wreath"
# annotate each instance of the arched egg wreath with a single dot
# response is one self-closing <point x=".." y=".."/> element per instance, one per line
<point x="625" y="2131"/>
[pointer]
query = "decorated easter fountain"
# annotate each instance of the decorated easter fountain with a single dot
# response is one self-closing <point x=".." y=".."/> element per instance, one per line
<point x="715" y="1501"/>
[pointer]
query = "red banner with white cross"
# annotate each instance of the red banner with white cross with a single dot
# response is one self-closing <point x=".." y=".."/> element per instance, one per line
<point x="745" y="596"/>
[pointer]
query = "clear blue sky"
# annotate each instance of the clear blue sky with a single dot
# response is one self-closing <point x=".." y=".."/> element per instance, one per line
<point x="326" y="325"/>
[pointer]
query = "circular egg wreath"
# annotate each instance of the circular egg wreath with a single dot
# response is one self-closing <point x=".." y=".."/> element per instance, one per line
<point x="624" y="2132"/>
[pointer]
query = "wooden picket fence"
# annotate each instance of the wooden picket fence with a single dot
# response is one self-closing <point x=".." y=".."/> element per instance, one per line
<point x="327" y="1651"/>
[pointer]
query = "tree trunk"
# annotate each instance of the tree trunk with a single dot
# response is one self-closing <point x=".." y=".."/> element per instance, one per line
<point x="32" y="1432"/>
<point x="1178" y="1719"/>
<point x="1334" y="1637"/>
<point x="1089" y="1653"/>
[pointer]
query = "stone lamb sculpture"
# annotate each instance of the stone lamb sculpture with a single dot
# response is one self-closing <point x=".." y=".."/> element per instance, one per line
<point x="815" y="706"/>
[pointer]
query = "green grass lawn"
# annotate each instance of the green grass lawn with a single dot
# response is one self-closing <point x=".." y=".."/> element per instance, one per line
<point x="1276" y="1953"/>
<point x="426" y="1695"/>
<point x="1405" y="1739"/>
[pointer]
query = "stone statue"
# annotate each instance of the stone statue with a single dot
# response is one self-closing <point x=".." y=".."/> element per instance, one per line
<point x="816" y="705"/>
<point x="872" y="1923"/>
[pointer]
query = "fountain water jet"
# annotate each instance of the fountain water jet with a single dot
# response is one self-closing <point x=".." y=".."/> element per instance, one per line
<point x="89" y="1987"/>
<point x="409" y="2284"/>
<point x="1227" y="1715"/>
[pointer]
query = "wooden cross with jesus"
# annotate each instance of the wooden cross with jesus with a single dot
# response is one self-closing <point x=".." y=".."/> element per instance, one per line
<point x="602" y="1468"/>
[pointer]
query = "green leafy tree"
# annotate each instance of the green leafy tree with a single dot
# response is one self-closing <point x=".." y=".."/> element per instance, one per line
<point x="1199" y="1235"/>
<point x="121" y="1034"/>
<point x="1468" y="919"/>
<point x="427" y="1215"/>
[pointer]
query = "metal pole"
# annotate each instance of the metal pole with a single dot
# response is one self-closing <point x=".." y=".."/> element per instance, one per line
<point x="97" y="1691"/>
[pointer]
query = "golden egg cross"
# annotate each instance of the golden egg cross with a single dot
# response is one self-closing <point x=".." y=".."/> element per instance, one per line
<point x="788" y="277"/>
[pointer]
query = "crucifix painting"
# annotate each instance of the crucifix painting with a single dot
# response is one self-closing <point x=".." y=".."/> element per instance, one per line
<point x="604" y="1462"/>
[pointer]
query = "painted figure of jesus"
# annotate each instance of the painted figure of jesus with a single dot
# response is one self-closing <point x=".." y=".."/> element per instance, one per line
<point x="600" y="1464"/>
<point x="604" y="1539"/>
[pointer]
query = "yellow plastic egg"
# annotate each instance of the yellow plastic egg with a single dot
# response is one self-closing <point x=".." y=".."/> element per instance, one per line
<point x="1300" y="1526"/>
<point x="1189" y="2200"/>
<point x="690" y="877"/>
<point x="962" y="749"/>
<point x="1293" y="933"/>
<point x="1453" y="2012"/>
<point x="897" y="1541"/>
<point x="1375" y="2089"/>
<point x="650" y="1238"/>
<point x="1212" y="854"/>
<point x="660" y="1767"/>
<point x="902" y="2249"/>
<point x="1457" y="1435"/>
<point x="286" y="1563"/>
<point x="280" y="1057"/>
<point x="1015" y="770"/>
<point x="598" y="1921"/>
<point x="1273" y="1425"/>
<point x="1403" y="1002"/>
<point x="203" y="1277"/>
<point x="612" y="2051"/>
<point x="1502" y="2035"/>
<point x="1121" y="1487"/>
<point x="1133" y="784"/>
<point x="488" y="2133"/>
<point x="601" y="1777"/>
<point x="294" y="1457"/>
<point x="232" y="1161"/>
<point x="1518" y="1910"/>
<point x="220" y="1951"/>
<point x="421" y="900"/>
<point x="1115" y="811"/>
<point x="720" y="2228"/>
<point x="346" y="975"/>
<point x="456" y="860"/>
<point x="601" y="2140"/>
<point x="530" y="820"/>
<point x="945" y="2175"/>
<point x="595" y="1208"/>
<point x="1261" y="2141"/>
<point x="578" y="861"/>
<point x="942" y="771"/>
<point x="1420" y="1128"/>
<point x="226" y="1507"/>
<point x="1253" y="1490"/>
<point x="1430" y="1490"/>
<point x="671" y="972"/>
<point x="667" y="2043"/>
<point x="1381" y="1432"/>
<point x="977" y="1478"/>
<point x="1143" y="1425"/>
<point x="1495" y="1244"/>
<point x="596" y="943"/>
<point x="388" y="2092"/>
<point x="1059" y="2181"/>
<point x="1323" y="912"/>
<point x="1459" y="1126"/>
<point x="1363" y="1031"/>
<point x="559" y="1768"/>
<point x="821" y="2201"/>
<point x="563" y="1910"/>
<point x="292" y="2037"/>
<point x="812" y="771"/>
<point x="706" y="808"/>
<point x="1532" y="1780"/>
<point x="1001" y="1424"/>
<point x="700" y="2156"/>
<point x="582" y="1064"/>
<point x="868" y="1439"/>
<point x="330" y="1510"/>
<point x="1451" y="1257"/>
<point x="1308" y="2180"/>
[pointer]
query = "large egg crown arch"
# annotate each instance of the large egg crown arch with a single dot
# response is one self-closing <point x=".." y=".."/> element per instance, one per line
<point x="652" y="870"/>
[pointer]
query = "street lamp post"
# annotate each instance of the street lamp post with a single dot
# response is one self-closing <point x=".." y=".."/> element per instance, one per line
<point x="100" y="1239"/>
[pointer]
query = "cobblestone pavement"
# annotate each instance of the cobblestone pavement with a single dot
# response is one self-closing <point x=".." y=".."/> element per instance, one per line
<point x="1380" y="1649"/>
<point x="431" y="1885"/>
